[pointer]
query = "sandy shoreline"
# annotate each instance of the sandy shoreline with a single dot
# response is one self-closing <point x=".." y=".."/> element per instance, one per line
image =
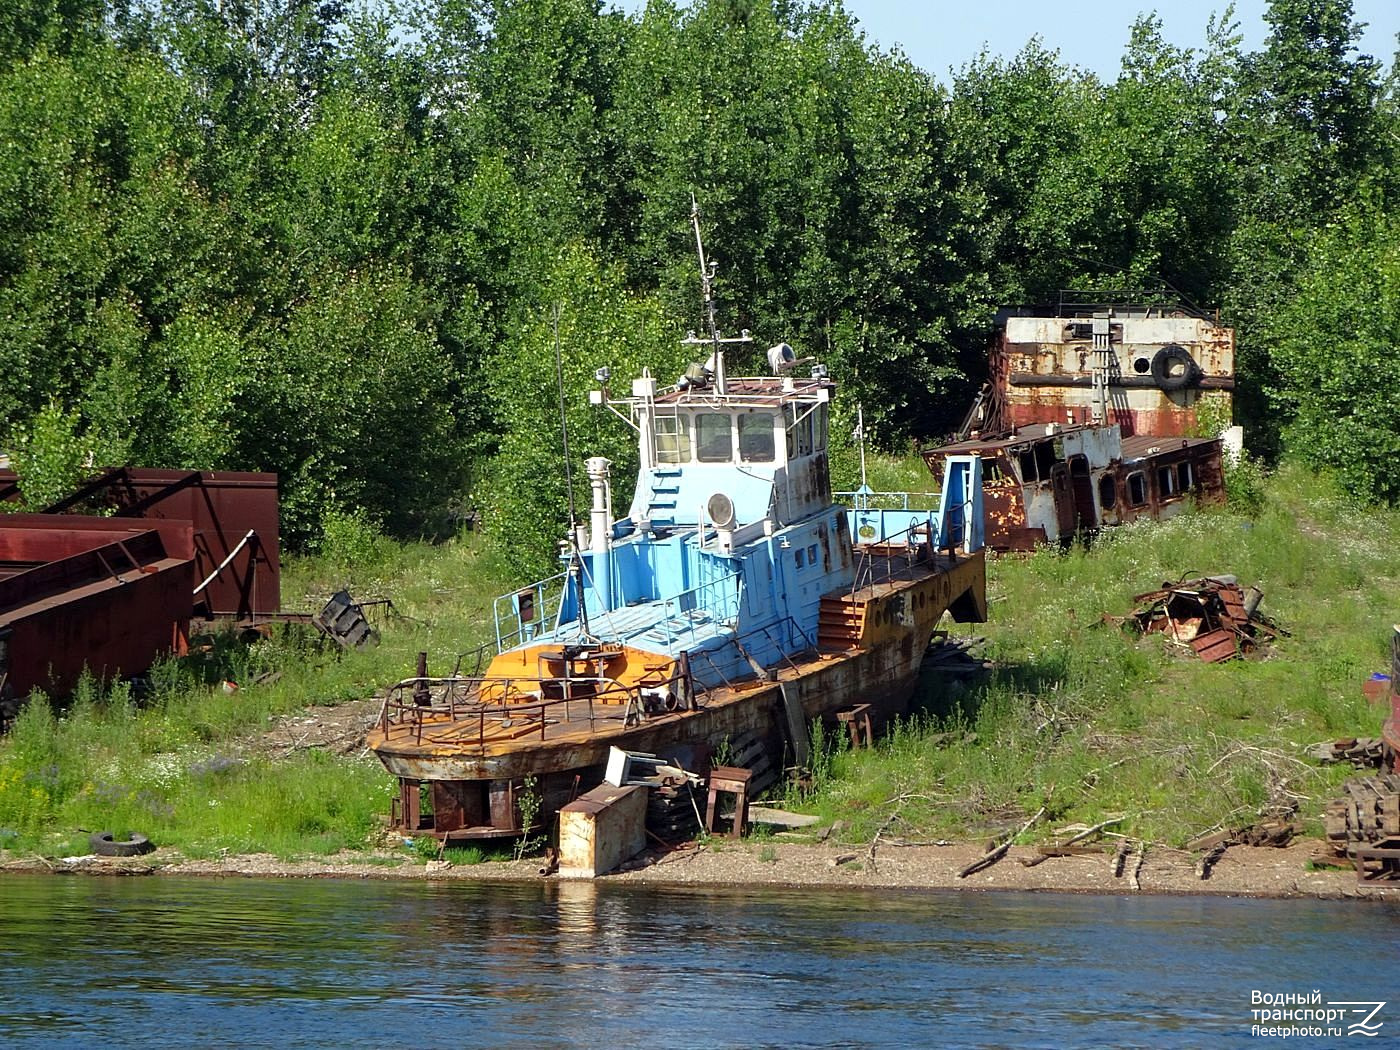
<point x="1243" y="871"/>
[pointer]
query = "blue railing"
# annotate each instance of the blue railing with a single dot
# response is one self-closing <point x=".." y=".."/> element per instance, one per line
<point x="867" y="500"/>
<point x="718" y="599"/>
<point x="543" y="598"/>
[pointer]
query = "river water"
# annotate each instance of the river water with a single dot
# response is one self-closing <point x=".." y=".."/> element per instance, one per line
<point x="128" y="962"/>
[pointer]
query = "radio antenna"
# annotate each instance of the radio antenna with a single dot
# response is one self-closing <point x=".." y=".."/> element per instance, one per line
<point x="575" y="557"/>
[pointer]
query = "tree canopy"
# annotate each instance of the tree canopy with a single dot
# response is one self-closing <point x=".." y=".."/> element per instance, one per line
<point x="331" y="241"/>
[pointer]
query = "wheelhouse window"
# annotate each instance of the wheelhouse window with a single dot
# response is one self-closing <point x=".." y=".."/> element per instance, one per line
<point x="756" y="437"/>
<point x="1184" y="480"/>
<point x="713" y="441"/>
<point x="1166" y="482"/>
<point x="672" y="440"/>
<point x="798" y="422"/>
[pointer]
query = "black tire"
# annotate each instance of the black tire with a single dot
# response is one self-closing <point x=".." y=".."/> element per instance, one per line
<point x="104" y="845"/>
<point x="1174" y="369"/>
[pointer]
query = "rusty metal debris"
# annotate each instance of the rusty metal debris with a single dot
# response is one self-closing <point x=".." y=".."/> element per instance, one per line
<point x="954" y="656"/>
<point x="343" y="621"/>
<point x="1276" y="831"/>
<point x="1213" y="616"/>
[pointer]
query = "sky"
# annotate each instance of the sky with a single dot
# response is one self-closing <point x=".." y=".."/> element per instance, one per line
<point x="944" y="35"/>
<point x="939" y="35"/>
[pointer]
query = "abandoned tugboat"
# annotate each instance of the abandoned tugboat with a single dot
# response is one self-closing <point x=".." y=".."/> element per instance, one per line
<point x="731" y="599"/>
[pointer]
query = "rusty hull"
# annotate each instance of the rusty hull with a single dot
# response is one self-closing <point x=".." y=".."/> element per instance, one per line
<point x="479" y="785"/>
<point x="98" y="593"/>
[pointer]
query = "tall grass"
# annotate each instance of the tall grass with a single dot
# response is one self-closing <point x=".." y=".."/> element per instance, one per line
<point x="1092" y="721"/>
<point x="1078" y="715"/>
<point x="178" y="765"/>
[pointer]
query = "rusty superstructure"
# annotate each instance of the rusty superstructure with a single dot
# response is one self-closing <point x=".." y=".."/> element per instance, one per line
<point x="1161" y="368"/>
<point x="1045" y="483"/>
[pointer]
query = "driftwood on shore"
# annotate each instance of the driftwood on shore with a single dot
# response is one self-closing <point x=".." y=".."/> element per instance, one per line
<point x="998" y="851"/>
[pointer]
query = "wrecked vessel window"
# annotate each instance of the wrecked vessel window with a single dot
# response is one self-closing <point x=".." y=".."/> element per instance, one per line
<point x="756" y="437"/>
<point x="1026" y="461"/>
<point x="712" y="438"/>
<point x="1166" y="482"/>
<point x="672" y="440"/>
<point x="799" y="431"/>
<point x="1108" y="492"/>
<point x="1044" y="458"/>
<point x="1184" y="480"/>
<point x="1137" y="489"/>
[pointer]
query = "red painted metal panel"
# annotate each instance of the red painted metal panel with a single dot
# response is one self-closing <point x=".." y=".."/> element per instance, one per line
<point x="116" y="599"/>
<point x="223" y="506"/>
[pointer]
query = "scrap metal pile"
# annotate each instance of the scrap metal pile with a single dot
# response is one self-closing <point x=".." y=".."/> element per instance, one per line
<point x="1213" y="616"/>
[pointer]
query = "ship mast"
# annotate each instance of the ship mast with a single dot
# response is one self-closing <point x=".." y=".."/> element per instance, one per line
<point x="712" y="339"/>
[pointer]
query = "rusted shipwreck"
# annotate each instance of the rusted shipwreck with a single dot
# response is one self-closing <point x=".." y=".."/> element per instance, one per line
<point x="1046" y="483"/>
<point x="1087" y="418"/>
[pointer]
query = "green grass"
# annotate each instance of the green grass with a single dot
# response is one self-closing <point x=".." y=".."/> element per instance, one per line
<point x="1078" y="716"/>
<point x="174" y="766"/>
<point x="1091" y="721"/>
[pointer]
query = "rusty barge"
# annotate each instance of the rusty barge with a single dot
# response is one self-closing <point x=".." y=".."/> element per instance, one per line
<point x="730" y="600"/>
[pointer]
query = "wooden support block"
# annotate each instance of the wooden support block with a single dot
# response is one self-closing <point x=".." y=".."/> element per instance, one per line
<point x="734" y="781"/>
<point x="857" y="721"/>
<point x="600" y="829"/>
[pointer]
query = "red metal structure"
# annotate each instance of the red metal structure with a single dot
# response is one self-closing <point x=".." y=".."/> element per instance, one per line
<point x="111" y="590"/>
<point x="79" y="591"/>
<point x="234" y="521"/>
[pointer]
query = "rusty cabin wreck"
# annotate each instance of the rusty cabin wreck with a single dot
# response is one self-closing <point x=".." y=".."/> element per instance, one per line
<point x="1043" y="484"/>
<point x="1086" y="418"/>
<point x="1162" y="368"/>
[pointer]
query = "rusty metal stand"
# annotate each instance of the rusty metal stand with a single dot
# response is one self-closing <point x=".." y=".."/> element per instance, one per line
<point x="734" y="781"/>
<point x="1379" y="864"/>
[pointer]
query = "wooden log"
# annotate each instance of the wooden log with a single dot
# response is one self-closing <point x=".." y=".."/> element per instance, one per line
<point x="995" y="853"/>
<point x="1212" y="840"/>
<point x="1207" y="862"/>
<point x="1133" y="873"/>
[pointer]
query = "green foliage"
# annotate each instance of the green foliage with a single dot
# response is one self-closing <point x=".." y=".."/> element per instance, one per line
<point x="1333" y="351"/>
<point x="599" y="324"/>
<point x="329" y="243"/>
<point x="49" y="457"/>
